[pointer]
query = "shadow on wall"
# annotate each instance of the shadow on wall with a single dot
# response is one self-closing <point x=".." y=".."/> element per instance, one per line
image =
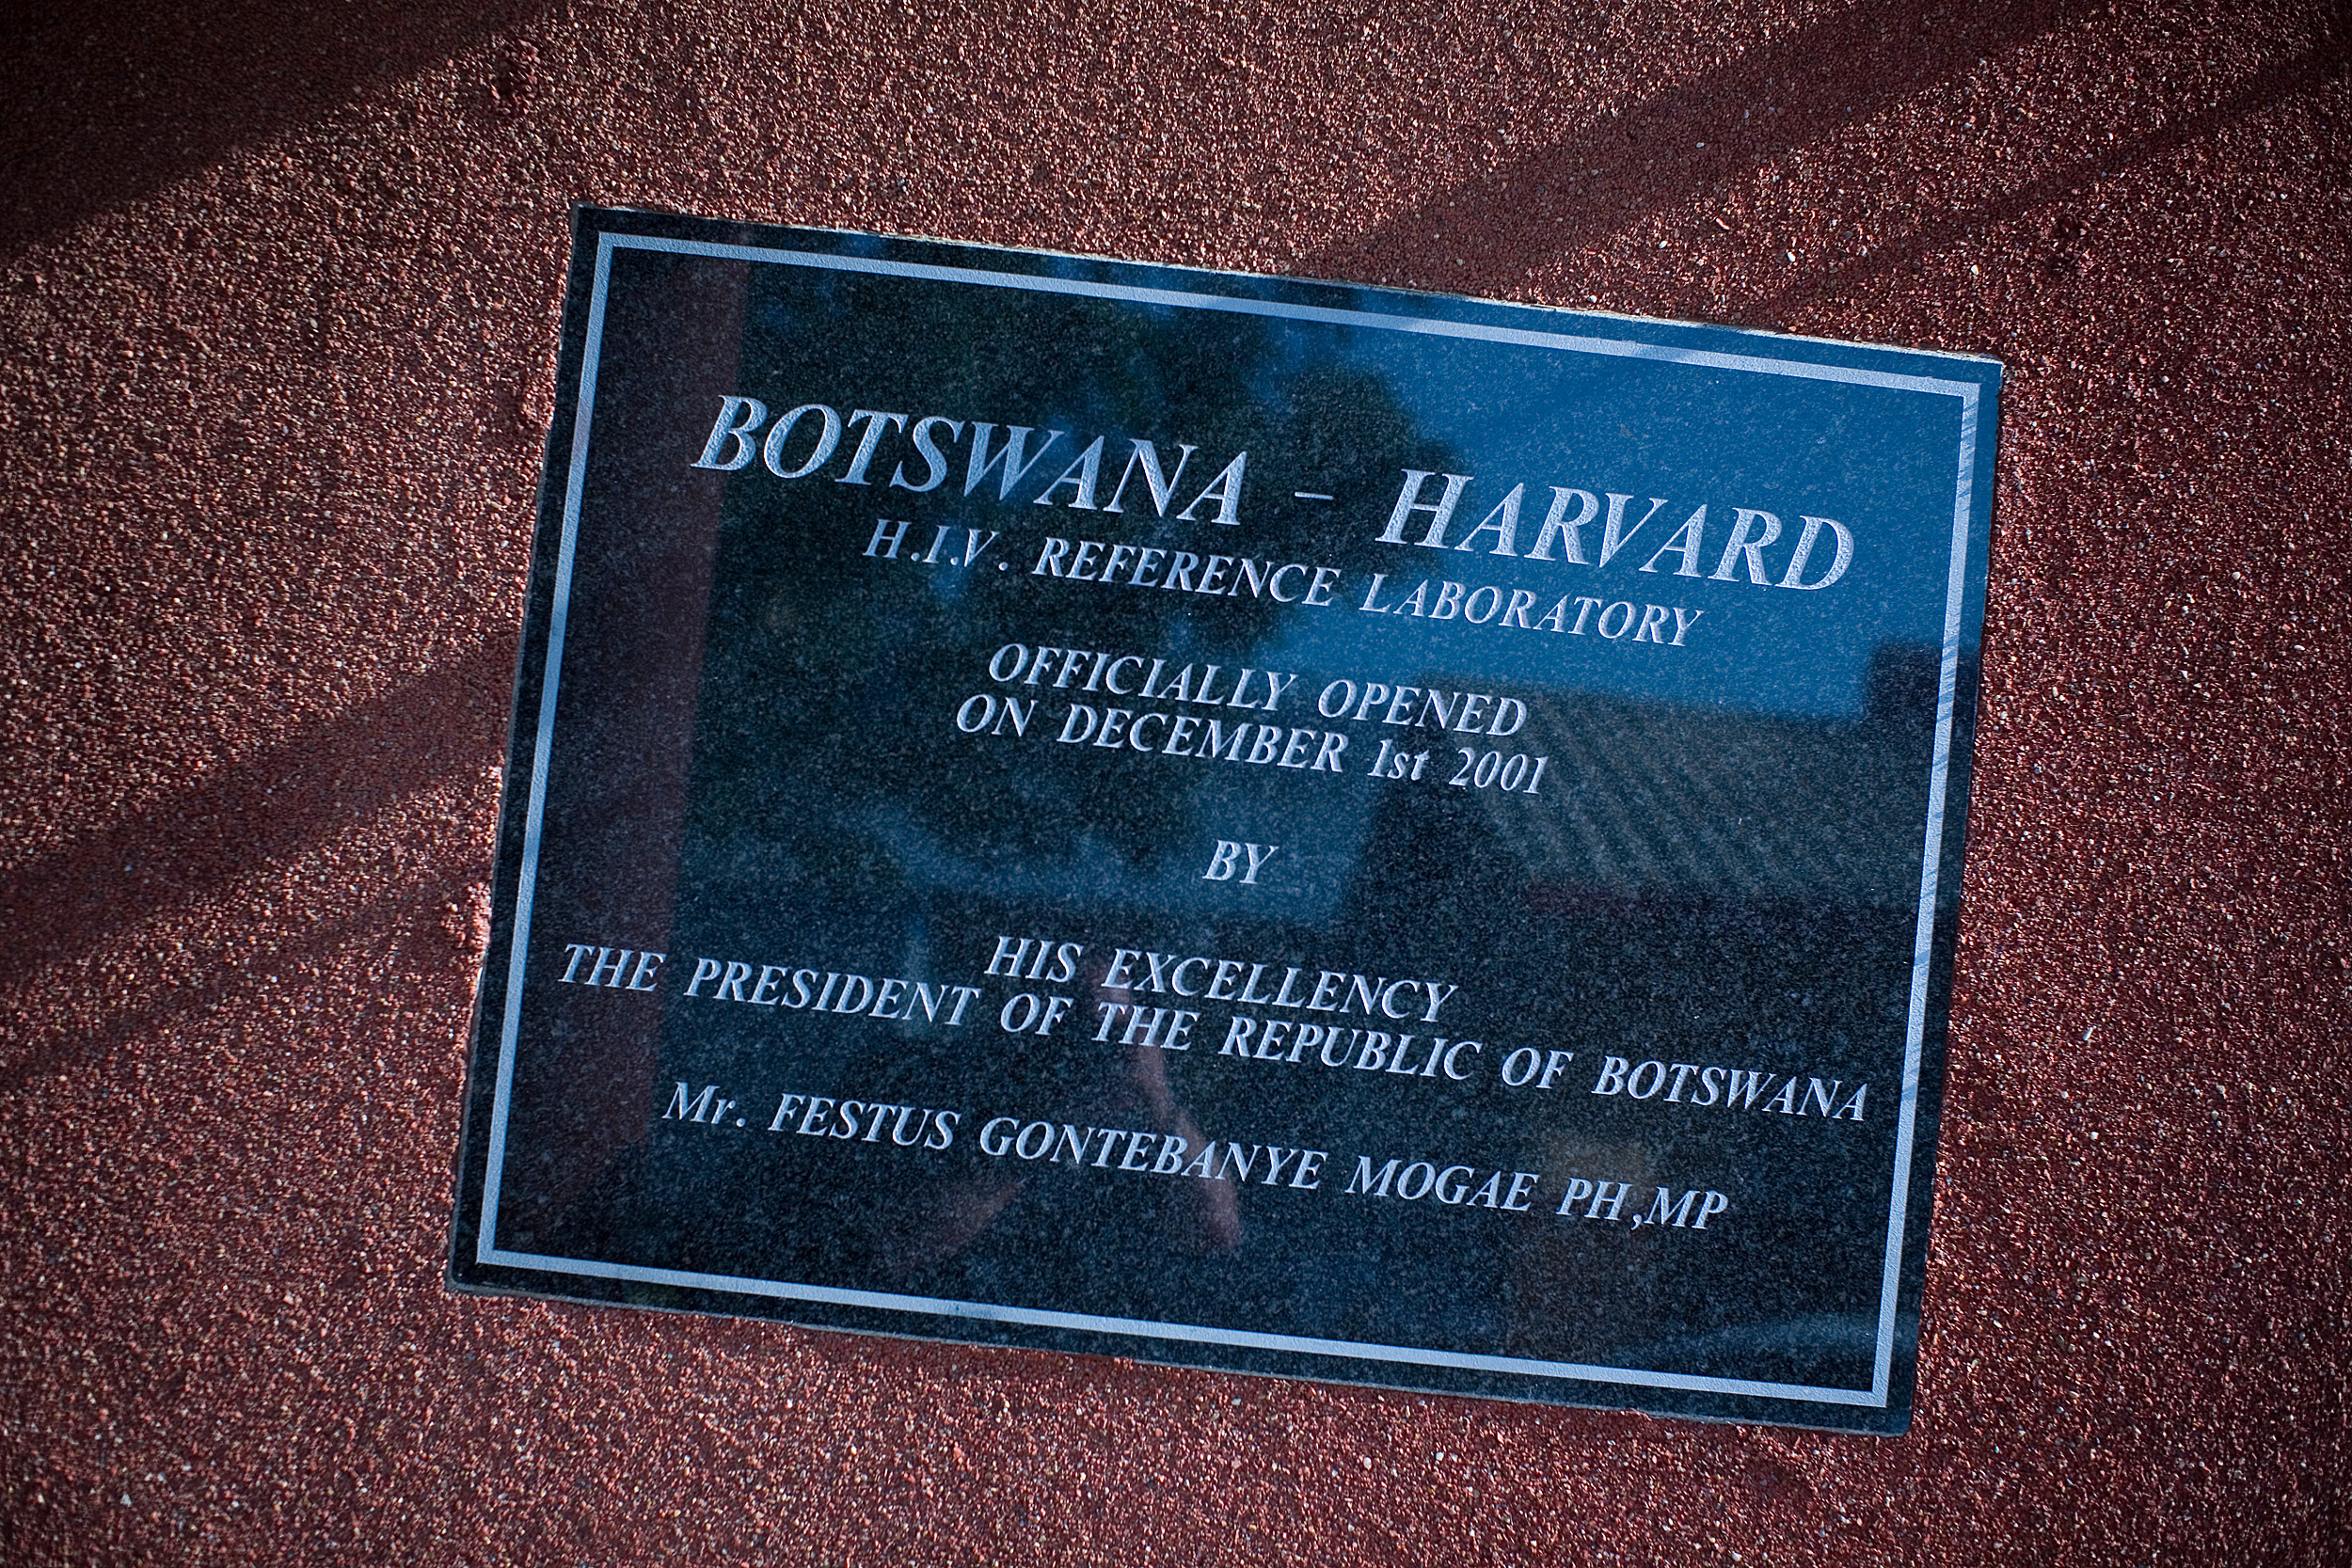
<point x="109" y="100"/>
<point x="1766" y="101"/>
<point x="2287" y="79"/>
<point x="195" y="844"/>
<point x="1776" y="98"/>
<point x="132" y="95"/>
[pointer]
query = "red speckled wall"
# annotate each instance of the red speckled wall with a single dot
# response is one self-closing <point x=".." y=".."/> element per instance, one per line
<point x="277" y="301"/>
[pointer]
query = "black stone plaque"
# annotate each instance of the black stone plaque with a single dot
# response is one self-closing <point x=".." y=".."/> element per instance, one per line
<point x="1258" y="824"/>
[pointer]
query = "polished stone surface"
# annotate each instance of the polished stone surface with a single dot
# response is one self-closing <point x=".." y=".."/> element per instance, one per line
<point x="1377" y="837"/>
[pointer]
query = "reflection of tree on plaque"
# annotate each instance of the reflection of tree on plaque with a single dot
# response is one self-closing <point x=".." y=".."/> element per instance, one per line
<point x="849" y="669"/>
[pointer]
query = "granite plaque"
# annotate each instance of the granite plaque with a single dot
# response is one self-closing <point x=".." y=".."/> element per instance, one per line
<point x="1248" y="823"/>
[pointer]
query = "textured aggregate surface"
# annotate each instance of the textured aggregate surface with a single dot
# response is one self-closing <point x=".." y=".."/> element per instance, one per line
<point x="278" y="290"/>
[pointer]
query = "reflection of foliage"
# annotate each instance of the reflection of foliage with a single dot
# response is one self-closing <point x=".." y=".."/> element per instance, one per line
<point x="830" y="679"/>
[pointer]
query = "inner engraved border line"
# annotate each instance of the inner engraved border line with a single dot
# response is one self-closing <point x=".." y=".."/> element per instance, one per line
<point x="1968" y="393"/>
